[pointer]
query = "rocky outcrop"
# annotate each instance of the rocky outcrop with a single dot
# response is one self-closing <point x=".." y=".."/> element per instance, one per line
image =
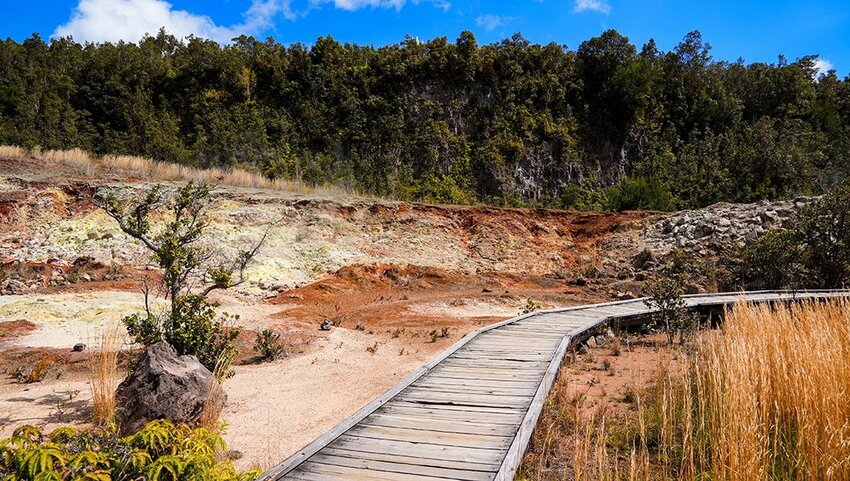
<point x="718" y="228"/>
<point x="164" y="385"/>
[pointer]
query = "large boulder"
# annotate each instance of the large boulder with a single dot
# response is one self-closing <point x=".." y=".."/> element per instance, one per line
<point x="164" y="385"/>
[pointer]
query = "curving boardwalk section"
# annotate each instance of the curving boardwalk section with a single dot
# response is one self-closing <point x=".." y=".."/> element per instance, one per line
<point x="469" y="413"/>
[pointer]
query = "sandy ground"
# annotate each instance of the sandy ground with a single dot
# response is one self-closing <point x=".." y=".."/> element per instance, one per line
<point x="276" y="408"/>
<point x="48" y="404"/>
<point x="68" y="318"/>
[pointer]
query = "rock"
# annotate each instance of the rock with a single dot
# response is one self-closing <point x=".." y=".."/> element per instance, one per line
<point x="326" y="325"/>
<point x="14" y="286"/>
<point x="163" y="385"/>
<point x="641" y="260"/>
<point x="640" y="276"/>
<point x="595" y="273"/>
<point x="581" y="281"/>
<point x="79" y="347"/>
<point x="591" y="342"/>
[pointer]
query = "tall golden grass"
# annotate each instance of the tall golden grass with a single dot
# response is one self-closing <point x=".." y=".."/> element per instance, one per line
<point x="769" y="398"/>
<point x="765" y="398"/>
<point x="103" y="375"/>
<point x="88" y="165"/>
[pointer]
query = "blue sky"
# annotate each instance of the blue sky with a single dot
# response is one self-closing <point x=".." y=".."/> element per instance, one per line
<point x="756" y="31"/>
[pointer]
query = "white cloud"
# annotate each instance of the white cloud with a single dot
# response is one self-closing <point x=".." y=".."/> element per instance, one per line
<point x="130" y="20"/>
<point x="600" y="6"/>
<point x="491" y="22"/>
<point x="823" y="66"/>
<point x="353" y="5"/>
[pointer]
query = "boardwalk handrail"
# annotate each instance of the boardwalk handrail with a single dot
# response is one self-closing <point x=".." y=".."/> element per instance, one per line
<point x="520" y="442"/>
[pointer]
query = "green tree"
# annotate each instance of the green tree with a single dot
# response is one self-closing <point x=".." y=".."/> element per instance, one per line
<point x="664" y="295"/>
<point x="192" y="325"/>
<point x="823" y="230"/>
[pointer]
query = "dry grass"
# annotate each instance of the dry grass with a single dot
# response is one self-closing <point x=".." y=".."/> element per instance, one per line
<point x="769" y="398"/>
<point x="216" y="397"/>
<point x="765" y="398"/>
<point x="103" y="372"/>
<point x="13" y="152"/>
<point x="87" y="165"/>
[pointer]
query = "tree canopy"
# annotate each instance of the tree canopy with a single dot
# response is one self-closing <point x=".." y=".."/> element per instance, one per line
<point x="511" y="123"/>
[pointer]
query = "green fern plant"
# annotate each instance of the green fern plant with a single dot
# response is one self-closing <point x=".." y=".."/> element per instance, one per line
<point x="160" y="451"/>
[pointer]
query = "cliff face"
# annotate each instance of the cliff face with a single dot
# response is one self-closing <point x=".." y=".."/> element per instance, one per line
<point x="53" y="236"/>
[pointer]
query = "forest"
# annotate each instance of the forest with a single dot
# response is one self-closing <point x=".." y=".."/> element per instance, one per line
<point x="605" y="126"/>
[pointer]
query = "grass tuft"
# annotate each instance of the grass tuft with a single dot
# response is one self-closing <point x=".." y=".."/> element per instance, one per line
<point x="103" y="372"/>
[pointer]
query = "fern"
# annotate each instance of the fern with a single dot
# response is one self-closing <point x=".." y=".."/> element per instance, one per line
<point x="161" y="451"/>
<point x="170" y="465"/>
<point x="42" y="459"/>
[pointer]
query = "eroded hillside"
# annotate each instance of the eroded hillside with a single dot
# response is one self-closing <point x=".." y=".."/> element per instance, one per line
<point x="400" y="282"/>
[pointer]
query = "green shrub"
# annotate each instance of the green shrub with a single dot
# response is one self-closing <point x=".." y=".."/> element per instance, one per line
<point x="589" y="198"/>
<point x="771" y="262"/>
<point x="665" y="296"/>
<point x="530" y="306"/>
<point x="822" y="230"/>
<point x="639" y="193"/>
<point x="268" y="345"/>
<point x="160" y="451"/>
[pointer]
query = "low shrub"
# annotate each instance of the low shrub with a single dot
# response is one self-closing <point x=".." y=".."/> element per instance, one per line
<point x="161" y="451"/>
<point x="640" y="194"/>
<point x="267" y="344"/>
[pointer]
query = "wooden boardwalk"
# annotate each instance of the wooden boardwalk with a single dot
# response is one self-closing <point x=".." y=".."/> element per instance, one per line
<point x="469" y="413"/>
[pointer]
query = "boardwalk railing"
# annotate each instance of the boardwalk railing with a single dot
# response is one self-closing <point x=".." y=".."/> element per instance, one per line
<point x="469" y="413"/>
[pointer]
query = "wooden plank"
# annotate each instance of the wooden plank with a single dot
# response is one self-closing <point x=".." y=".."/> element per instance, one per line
<point x="530" y="366"/>
<point x="465" y="399"/>
<point x="503" y="354"/>
<point x="513" y="457"/>
<point x="466" y="440"/>
<point x="473" y="372"/>
<point x="549" y="344"/>
<point x="344" y="472"/>
<point x="419" y="449"/>
<point x="436" y="380"/>
<point x="418" y="461"/>
<point x="471" y="389"/>
<point x="503" y="333"/>
<point x="396" y="467"/>
<point x="466" y="426"/>
<point x="449" y="412"/>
